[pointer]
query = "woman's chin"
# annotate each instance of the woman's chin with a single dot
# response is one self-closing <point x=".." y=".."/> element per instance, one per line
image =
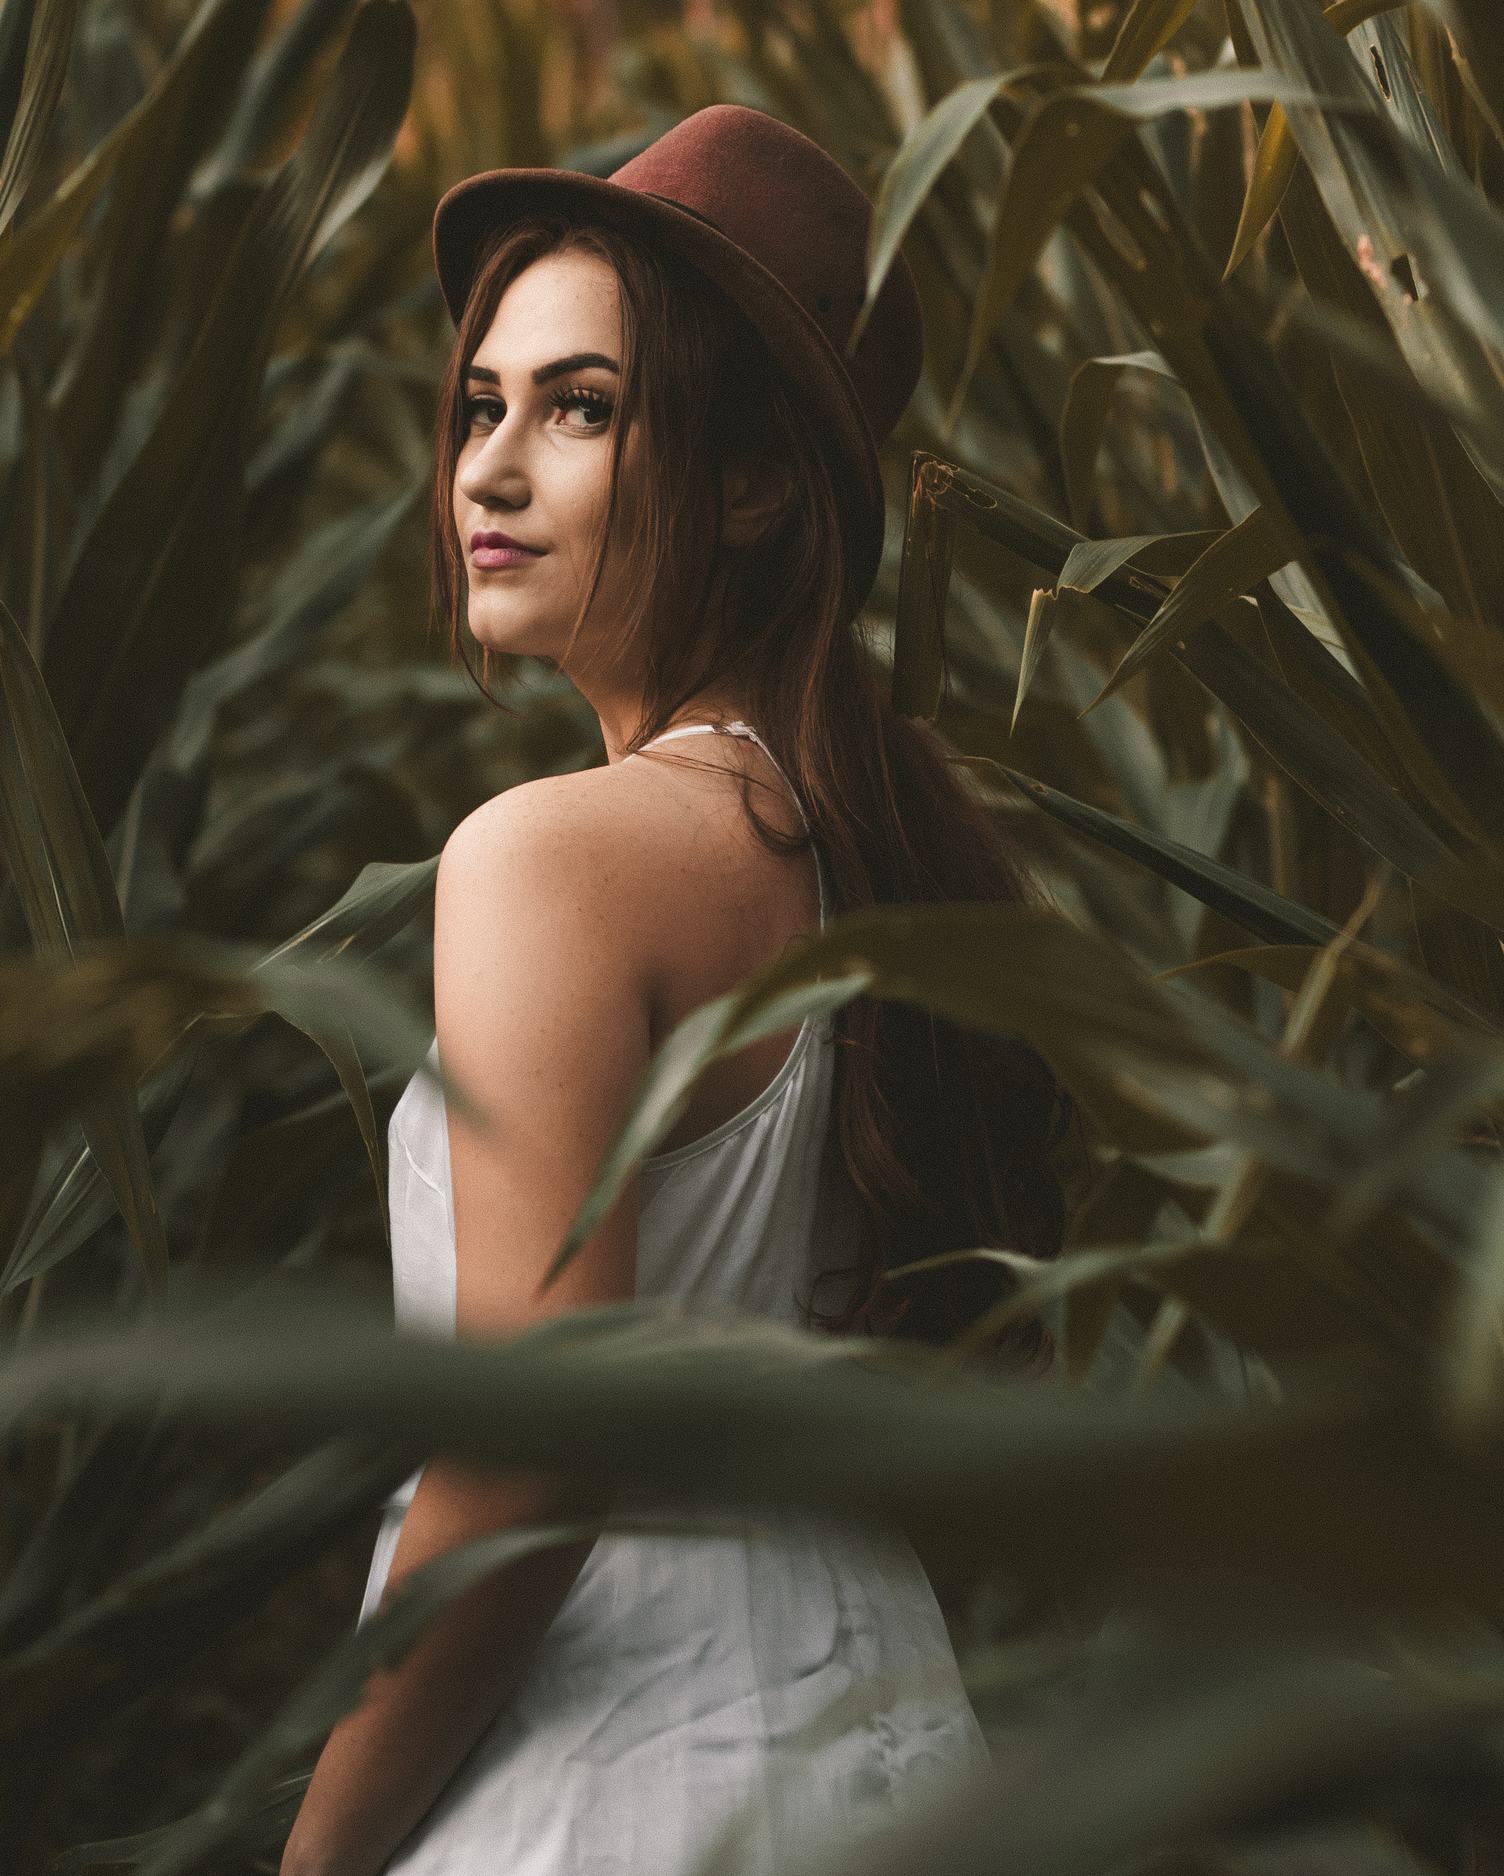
<point x="496" y="637"/>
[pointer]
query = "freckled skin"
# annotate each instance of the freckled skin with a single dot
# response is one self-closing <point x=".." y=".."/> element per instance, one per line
<point x="540" y="473"/>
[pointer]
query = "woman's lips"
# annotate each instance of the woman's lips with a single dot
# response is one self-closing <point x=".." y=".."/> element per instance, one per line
<point x="504" y="556"/>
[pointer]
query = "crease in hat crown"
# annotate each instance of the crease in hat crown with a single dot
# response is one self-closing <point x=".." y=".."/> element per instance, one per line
<point x="777" y="224"/>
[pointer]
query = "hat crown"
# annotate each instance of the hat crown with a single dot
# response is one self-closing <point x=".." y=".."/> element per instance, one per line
<point x="791" y="206"/>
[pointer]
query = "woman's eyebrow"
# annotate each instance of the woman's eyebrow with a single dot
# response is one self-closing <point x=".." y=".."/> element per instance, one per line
<point x="576" y="361"/>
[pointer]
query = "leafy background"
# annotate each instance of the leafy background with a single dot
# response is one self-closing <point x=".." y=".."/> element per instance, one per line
<point x="1194" y="557"/>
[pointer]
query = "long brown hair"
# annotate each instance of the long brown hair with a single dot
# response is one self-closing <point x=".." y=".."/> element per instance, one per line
<point x="948" y="1133"/>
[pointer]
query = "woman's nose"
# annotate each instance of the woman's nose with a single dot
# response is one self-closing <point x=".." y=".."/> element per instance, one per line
<point x="496" y="467"/>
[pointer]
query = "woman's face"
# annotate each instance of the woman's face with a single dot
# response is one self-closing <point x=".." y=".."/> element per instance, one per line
<point x="535" y="457"/>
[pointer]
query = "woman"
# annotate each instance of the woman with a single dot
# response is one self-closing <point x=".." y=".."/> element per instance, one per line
<point x="656" y="470"/>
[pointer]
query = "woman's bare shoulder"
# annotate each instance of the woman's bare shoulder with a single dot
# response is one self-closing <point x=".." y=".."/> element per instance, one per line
<point x="601" y="833"/>
<point x="619" y="807"/>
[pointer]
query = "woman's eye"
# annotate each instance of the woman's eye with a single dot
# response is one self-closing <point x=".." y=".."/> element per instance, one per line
<point x="596" y="406"/>
<point x="474" y="404"/>
<point x="580" y="397"/>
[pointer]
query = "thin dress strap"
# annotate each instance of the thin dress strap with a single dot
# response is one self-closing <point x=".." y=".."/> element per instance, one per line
<point x="738" y="728"/>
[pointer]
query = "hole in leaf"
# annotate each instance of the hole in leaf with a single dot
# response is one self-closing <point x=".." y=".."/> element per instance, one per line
<point x="1379" y="73"/>
<point x="1404" y="276"/>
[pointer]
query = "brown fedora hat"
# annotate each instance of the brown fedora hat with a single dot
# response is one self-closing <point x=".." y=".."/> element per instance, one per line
<point x="780" y="228"/>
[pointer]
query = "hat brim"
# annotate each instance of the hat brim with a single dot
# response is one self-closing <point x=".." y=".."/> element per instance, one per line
<point x="473" y="211"/>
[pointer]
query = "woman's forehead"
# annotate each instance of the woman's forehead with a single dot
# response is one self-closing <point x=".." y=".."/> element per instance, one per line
<point x="559" y="303"/>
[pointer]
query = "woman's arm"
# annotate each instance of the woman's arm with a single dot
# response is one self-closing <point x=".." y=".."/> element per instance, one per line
<point x="385" y="1764"/>
<point x="541" y="1003"/>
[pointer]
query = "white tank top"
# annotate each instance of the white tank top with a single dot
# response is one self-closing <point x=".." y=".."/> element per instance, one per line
<point x="741" y="1219"/>
<point x="789" y="1672"/>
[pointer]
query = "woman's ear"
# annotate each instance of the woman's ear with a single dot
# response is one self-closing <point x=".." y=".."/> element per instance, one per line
<point x="753" y="500"/>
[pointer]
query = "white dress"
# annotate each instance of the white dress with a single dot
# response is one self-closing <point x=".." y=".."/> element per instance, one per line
<point x="670" y="1691"/>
